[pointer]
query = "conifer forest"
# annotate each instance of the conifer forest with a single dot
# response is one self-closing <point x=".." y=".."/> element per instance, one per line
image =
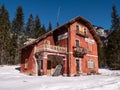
<point x="14" y="33"/>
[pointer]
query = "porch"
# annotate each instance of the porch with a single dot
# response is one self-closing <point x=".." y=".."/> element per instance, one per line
<point x="51" y="60"/>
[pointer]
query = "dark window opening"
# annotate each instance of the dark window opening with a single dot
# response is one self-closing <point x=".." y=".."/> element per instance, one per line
<point x="77" y="27"/>
<point x="77" y="43"/>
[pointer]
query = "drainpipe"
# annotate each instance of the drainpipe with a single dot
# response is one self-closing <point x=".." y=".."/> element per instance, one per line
<point x="68" y="50"/>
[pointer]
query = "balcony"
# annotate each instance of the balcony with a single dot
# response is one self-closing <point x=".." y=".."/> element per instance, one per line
<point x="79" y="52"/>
<point x="83" y="34"/>
<point x="51" y="48"/>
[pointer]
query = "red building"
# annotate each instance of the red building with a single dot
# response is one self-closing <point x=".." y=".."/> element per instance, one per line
<point x="70" y="48"/>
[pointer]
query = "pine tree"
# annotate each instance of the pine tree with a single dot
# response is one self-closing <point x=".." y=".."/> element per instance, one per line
<point x="43" y="30"/>
<point x="49" y="27"/>
<point x="30" y="26"/>
<point x="18" y="21"/>
<point x="4" y="35"/>
<point x="113" y="45"/>
<point x="101" y="54"/>
<point x="37" y="27"/>
<point x="38" y="30"/>
<point x="12" y="49"/>
<point x="18" y="32"/>
<point x="115" y="19"/>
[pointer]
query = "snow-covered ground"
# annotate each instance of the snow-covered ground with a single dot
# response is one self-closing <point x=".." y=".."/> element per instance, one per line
<point x="11" y="79"/>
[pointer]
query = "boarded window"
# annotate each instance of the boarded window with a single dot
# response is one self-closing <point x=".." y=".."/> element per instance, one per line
<point x="91" y="64"/>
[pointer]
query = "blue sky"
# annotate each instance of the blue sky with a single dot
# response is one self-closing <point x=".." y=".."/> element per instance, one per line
<point x="98" y="12"/>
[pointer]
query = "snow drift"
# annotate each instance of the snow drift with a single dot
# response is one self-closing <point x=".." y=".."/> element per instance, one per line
<point x="12" y="79"/>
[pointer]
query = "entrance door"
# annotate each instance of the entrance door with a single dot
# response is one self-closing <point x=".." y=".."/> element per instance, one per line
<point x="40" y="66"/>
<point x="52" y="63"/>
<point x="77" y="66"/>
<point x="49" y="66"/>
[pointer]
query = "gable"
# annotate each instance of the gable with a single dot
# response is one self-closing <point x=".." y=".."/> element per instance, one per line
<point x="66" y="25"/>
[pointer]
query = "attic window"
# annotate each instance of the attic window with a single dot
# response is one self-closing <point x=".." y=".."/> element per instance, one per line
<point x="85" y="31"/>
<point x="82" y="31"/>
<point x="77" y="27"/>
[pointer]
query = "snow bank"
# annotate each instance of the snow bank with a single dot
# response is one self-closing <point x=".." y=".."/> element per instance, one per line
<point x="11" y="79"/>
<point x="109" y="72"/>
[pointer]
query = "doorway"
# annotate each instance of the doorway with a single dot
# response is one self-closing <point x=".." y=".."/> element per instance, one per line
<point x="77" y="67"/>
<point x="52" y="64"/>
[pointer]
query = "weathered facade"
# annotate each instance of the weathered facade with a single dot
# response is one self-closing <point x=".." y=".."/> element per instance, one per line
<point x="72" y="46"/>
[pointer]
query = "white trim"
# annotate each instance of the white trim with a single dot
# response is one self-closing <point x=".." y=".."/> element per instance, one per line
<point x="44" y="57"/>
<point x="64" y="59"/>
<point x="89" y="40"/>
<point x="64" y="74"/>
<point x="50" y="53"/>
<point x="77" y="58"/>
<point x="63" y="36"/>
<point x="35" y="49"/>
<point x="91" y="55"/>
<point x="70" y="52"/>
<point x="80" y="65"/>
<point x="36" y="66"/>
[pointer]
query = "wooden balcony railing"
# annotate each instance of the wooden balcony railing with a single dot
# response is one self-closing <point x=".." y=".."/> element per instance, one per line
<point x="79" y="52"/>
<point x="51" y="48"/>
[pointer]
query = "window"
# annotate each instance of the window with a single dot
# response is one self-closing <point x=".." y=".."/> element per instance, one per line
<point x="77" y="43"/>
<point x="91" y="64"/>
<point x="77" y="66"/>
<point x="85" y="31"/>
<point x="77" y="27"/>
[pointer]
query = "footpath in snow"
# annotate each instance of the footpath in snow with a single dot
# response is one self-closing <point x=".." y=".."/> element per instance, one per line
<point x="12" y="79"/>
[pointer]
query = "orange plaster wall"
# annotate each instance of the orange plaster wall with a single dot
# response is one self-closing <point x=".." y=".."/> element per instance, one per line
<point x="85" y="68"/>
<point x="28" y="53"/>
<point x="84" y="44"/>
<point x="72" y="38"/>
<point x="50" y="38"/>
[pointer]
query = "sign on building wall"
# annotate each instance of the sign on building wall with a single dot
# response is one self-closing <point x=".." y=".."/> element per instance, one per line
<point x="63" y="36"/>
<point x="89" y="40"/>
